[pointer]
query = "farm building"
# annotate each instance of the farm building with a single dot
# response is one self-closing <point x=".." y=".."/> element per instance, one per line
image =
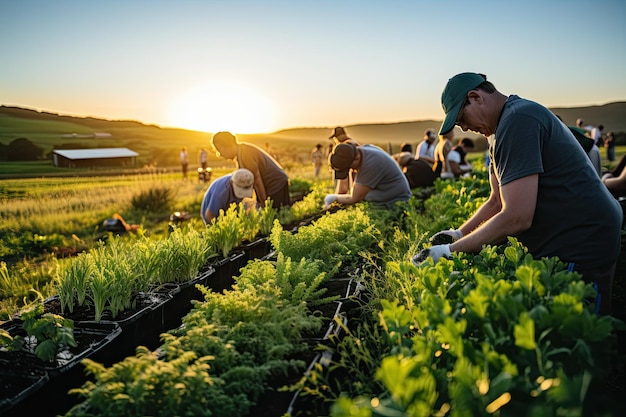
<point x="85" y="158"/>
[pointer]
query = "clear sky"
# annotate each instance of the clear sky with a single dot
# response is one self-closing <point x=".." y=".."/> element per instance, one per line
<point x="262" y="65"/>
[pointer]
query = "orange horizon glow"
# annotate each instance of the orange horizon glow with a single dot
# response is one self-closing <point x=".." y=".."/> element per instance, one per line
<point x="218" y="107"/>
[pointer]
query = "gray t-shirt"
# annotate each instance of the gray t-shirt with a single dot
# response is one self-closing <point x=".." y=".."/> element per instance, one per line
<point x="383" y="176"/>
<point x="576" y="218"/>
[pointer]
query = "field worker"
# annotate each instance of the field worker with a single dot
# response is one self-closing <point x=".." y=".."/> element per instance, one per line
<point x="270" y="180"/>
<point x="203" y="158"/>
<point x="339" y="135"/>
<point x="377" y="177"/>
<point x="426" y="148"/>
<point x="443" y="148"/>
<point x="457" y="158"/>
<point x="417" y="172"/>
<point x="317" y="157"/>
<point x="226" y="190"/>
<point x="544" y="189"/>
<point x="184" y="161"/>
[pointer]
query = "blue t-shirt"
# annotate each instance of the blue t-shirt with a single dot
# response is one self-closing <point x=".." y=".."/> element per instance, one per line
<point x="576" y="218"/>
<point x="219" y="196"/>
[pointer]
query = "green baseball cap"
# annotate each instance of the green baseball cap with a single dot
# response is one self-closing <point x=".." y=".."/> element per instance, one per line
<point x="454" y="95"/>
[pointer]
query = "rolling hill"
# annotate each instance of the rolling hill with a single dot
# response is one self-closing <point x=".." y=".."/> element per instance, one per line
<point x="160" y="145"/>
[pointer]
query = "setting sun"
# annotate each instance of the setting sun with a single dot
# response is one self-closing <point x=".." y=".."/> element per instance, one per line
<point x="216" y="107"/>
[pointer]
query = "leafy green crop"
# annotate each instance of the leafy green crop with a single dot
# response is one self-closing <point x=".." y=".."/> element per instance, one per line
<point x="494" y="331"/>
<point x="334" y="239"/>
<point x="51" y="331"/>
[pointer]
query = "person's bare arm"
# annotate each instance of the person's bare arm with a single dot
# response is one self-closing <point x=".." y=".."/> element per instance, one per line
<point x="486" y="211"/>
<point x="518" y="201"/>
<point x="208" y="216"/>
<point x="259" y="188"/>
<point x="358" y="194"/>
<point x="616" y="185"/>
<point x="456" y="169"/>
<point x="343" y="186"/>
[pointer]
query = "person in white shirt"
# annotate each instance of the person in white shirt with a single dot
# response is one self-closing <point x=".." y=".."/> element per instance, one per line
<point x="596" y="134"/>
<point x="426" y="149"/>
<point x="458" y="164"/>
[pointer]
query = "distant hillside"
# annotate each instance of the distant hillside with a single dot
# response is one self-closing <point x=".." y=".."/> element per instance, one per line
<point x="612" y="115"/>
<point x="160" y="145"/>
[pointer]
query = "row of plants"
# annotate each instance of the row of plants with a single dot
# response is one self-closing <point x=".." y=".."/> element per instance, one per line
<point x="110" y="275"/>
<point x="493" y="333"/>
<point x="106" y="282"/>
<point x="45" y="219"/>
<point x="497" y="332"/>
<point x="240" y="342"/>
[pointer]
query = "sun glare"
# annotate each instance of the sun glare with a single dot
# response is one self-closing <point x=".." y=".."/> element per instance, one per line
<point x="216" y="107"/>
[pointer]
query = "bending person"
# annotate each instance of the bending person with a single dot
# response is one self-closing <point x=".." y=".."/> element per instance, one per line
<point x="224" y="191"/>
<point x="537" y="172"/>
<point x="377" y="177"/>
<point x="270" y="180"/>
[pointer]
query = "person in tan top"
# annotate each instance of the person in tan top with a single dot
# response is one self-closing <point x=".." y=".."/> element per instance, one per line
<point x="441" y="167"/>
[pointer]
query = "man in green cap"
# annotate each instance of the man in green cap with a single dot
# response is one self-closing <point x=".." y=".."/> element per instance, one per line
<point x="544" y="189"/>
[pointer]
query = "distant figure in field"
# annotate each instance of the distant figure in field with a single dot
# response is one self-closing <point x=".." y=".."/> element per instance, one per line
<point x="270" y="179"/>
<point x="426" y="149"/>
<point x="339" y="135"/>
<point x="317" y="157"/>
<point x="609" y="145"/>
<point x="226" y="190"/>
<point x="184" y="161"/>
<point x="596" y="134"/>
<point x="203" y="158"/>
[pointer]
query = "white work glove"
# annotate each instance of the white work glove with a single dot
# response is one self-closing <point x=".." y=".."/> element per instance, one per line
<point x="446" y="236"/>
<point x="329" y="199"/>
<point x="436" y="252"/>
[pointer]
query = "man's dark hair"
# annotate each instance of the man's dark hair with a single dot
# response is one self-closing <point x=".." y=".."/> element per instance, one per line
<point x="486" y="86"/>
<point x="467" y="142"/>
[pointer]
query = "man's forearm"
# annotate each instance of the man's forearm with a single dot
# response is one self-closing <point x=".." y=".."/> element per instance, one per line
<point x="484" y="213"/>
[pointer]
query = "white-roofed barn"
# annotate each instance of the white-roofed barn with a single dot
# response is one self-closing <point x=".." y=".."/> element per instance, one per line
<point x="96" y="157"/>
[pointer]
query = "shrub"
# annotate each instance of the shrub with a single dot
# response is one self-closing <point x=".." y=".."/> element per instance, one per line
<point x="158" y="198"/>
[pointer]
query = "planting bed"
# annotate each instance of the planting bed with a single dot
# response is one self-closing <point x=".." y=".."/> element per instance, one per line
<point x="276" y="403"/>
<point x="28" y="382"/>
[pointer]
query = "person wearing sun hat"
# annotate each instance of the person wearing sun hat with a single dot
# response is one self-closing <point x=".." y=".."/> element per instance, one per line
<point x="544" y="189"/>
<point x="228" y="189"/>
<point x="377" y="177"/>
<point x="339" y="135"/>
